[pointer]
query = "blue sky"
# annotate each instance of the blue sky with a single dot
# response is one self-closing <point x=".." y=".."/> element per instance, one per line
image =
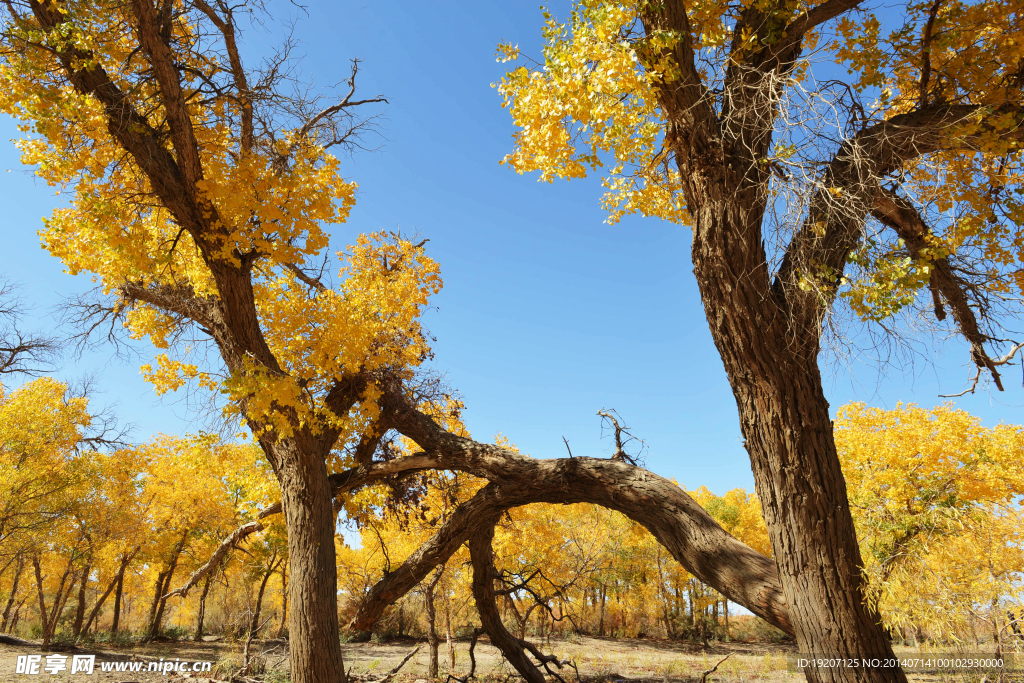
<point x="548" y="314"/>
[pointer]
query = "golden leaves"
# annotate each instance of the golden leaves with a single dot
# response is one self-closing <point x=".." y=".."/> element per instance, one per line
<point x="591" y="106"/>
<point x="933" y="494"/>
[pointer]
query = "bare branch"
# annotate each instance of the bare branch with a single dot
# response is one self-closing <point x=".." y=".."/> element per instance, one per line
<point x="21" y="353"/>
<point x="899" y="214"/>
<point x="226" y="26"/>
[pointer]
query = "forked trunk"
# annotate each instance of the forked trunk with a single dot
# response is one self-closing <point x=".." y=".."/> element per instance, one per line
<point x="772" y="365"/>
<point x="306" y="494"/>
<point x="254" y="625"/>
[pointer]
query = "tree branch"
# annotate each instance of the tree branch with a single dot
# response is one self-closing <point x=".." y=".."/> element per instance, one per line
<point x="900" y="215"/>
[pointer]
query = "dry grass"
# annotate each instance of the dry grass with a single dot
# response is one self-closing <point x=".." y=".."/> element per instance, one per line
<point x="597" y="659"/>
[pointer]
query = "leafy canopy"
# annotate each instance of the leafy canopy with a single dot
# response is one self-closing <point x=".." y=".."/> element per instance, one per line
<point x="200" y="195"/>
<point x="592" y="104"/>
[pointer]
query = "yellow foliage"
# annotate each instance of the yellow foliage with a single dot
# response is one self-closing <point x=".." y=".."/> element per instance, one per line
<point x="935" y="497"/>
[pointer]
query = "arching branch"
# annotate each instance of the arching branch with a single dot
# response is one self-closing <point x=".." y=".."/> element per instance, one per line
<point x="514" y="649"/>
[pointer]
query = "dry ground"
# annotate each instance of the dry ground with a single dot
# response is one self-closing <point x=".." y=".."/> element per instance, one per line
<point x="604" y="659"/>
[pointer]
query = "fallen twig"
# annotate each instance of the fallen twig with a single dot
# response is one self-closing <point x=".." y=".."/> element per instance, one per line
<point x="704" y="676"/>
<point x="388" y="675"/>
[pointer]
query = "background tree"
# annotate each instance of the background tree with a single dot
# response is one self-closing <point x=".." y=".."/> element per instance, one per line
<point x="198" y="193"/>
<point x="935" y="498"/>
<point x="906" y="185"/>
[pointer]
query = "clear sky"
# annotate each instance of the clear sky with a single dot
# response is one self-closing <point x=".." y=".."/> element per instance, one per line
<point x="547" y="314"/>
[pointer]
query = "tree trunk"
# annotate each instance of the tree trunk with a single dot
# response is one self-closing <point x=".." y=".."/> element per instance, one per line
<point x="80" y="609"/>
<point x="600" y="626"/>
<point x="483" y="591"/>
<point x="691" y="614"/>
<point x="14" y="594"/>
<point x="306" y="499"/>
<point x="61" y="601"/>
<point x="428" y="602"/>
<point x="118" y="582"/>
<point x="284" y="602"/>
<point x="448" y="631"/>
<point x="118" y="596"/>
<point x="725" y="605"/>
<point x="99" y="603"/>
<point x="17" y="613"/>
<point x="163" y="586"/>
<point x="158" y="592"/>
<point x="42" y="601"/>
<point x="254" y="625"/>
<point x="202" y="608"/>
<point x="772" y="365"/>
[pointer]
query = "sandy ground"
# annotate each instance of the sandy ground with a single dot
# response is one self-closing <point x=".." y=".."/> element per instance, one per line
<point x="604" y="659"/>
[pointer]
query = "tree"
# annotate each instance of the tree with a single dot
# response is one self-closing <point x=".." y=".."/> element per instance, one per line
<point x="198" y="215"/>
<point x="20" y="353"/>
<point x="934" y="497"/>
<point x="907" y="184"/>
<point x="42" y="466"/>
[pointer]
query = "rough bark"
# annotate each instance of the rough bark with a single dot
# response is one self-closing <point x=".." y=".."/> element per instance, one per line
<point x="693" y="538"/>
<point x="513" y="649"/>
<point x="785" y="421"/>
<point x="432" y="640"/>
<point x="767" y="330"/>
<point x="306" y="497"/>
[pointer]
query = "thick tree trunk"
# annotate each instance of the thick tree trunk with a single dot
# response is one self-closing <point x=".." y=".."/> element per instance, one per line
<point x="692" y="537"/>
<point x="771" y="359"/>
<point x="306" y="499"/>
